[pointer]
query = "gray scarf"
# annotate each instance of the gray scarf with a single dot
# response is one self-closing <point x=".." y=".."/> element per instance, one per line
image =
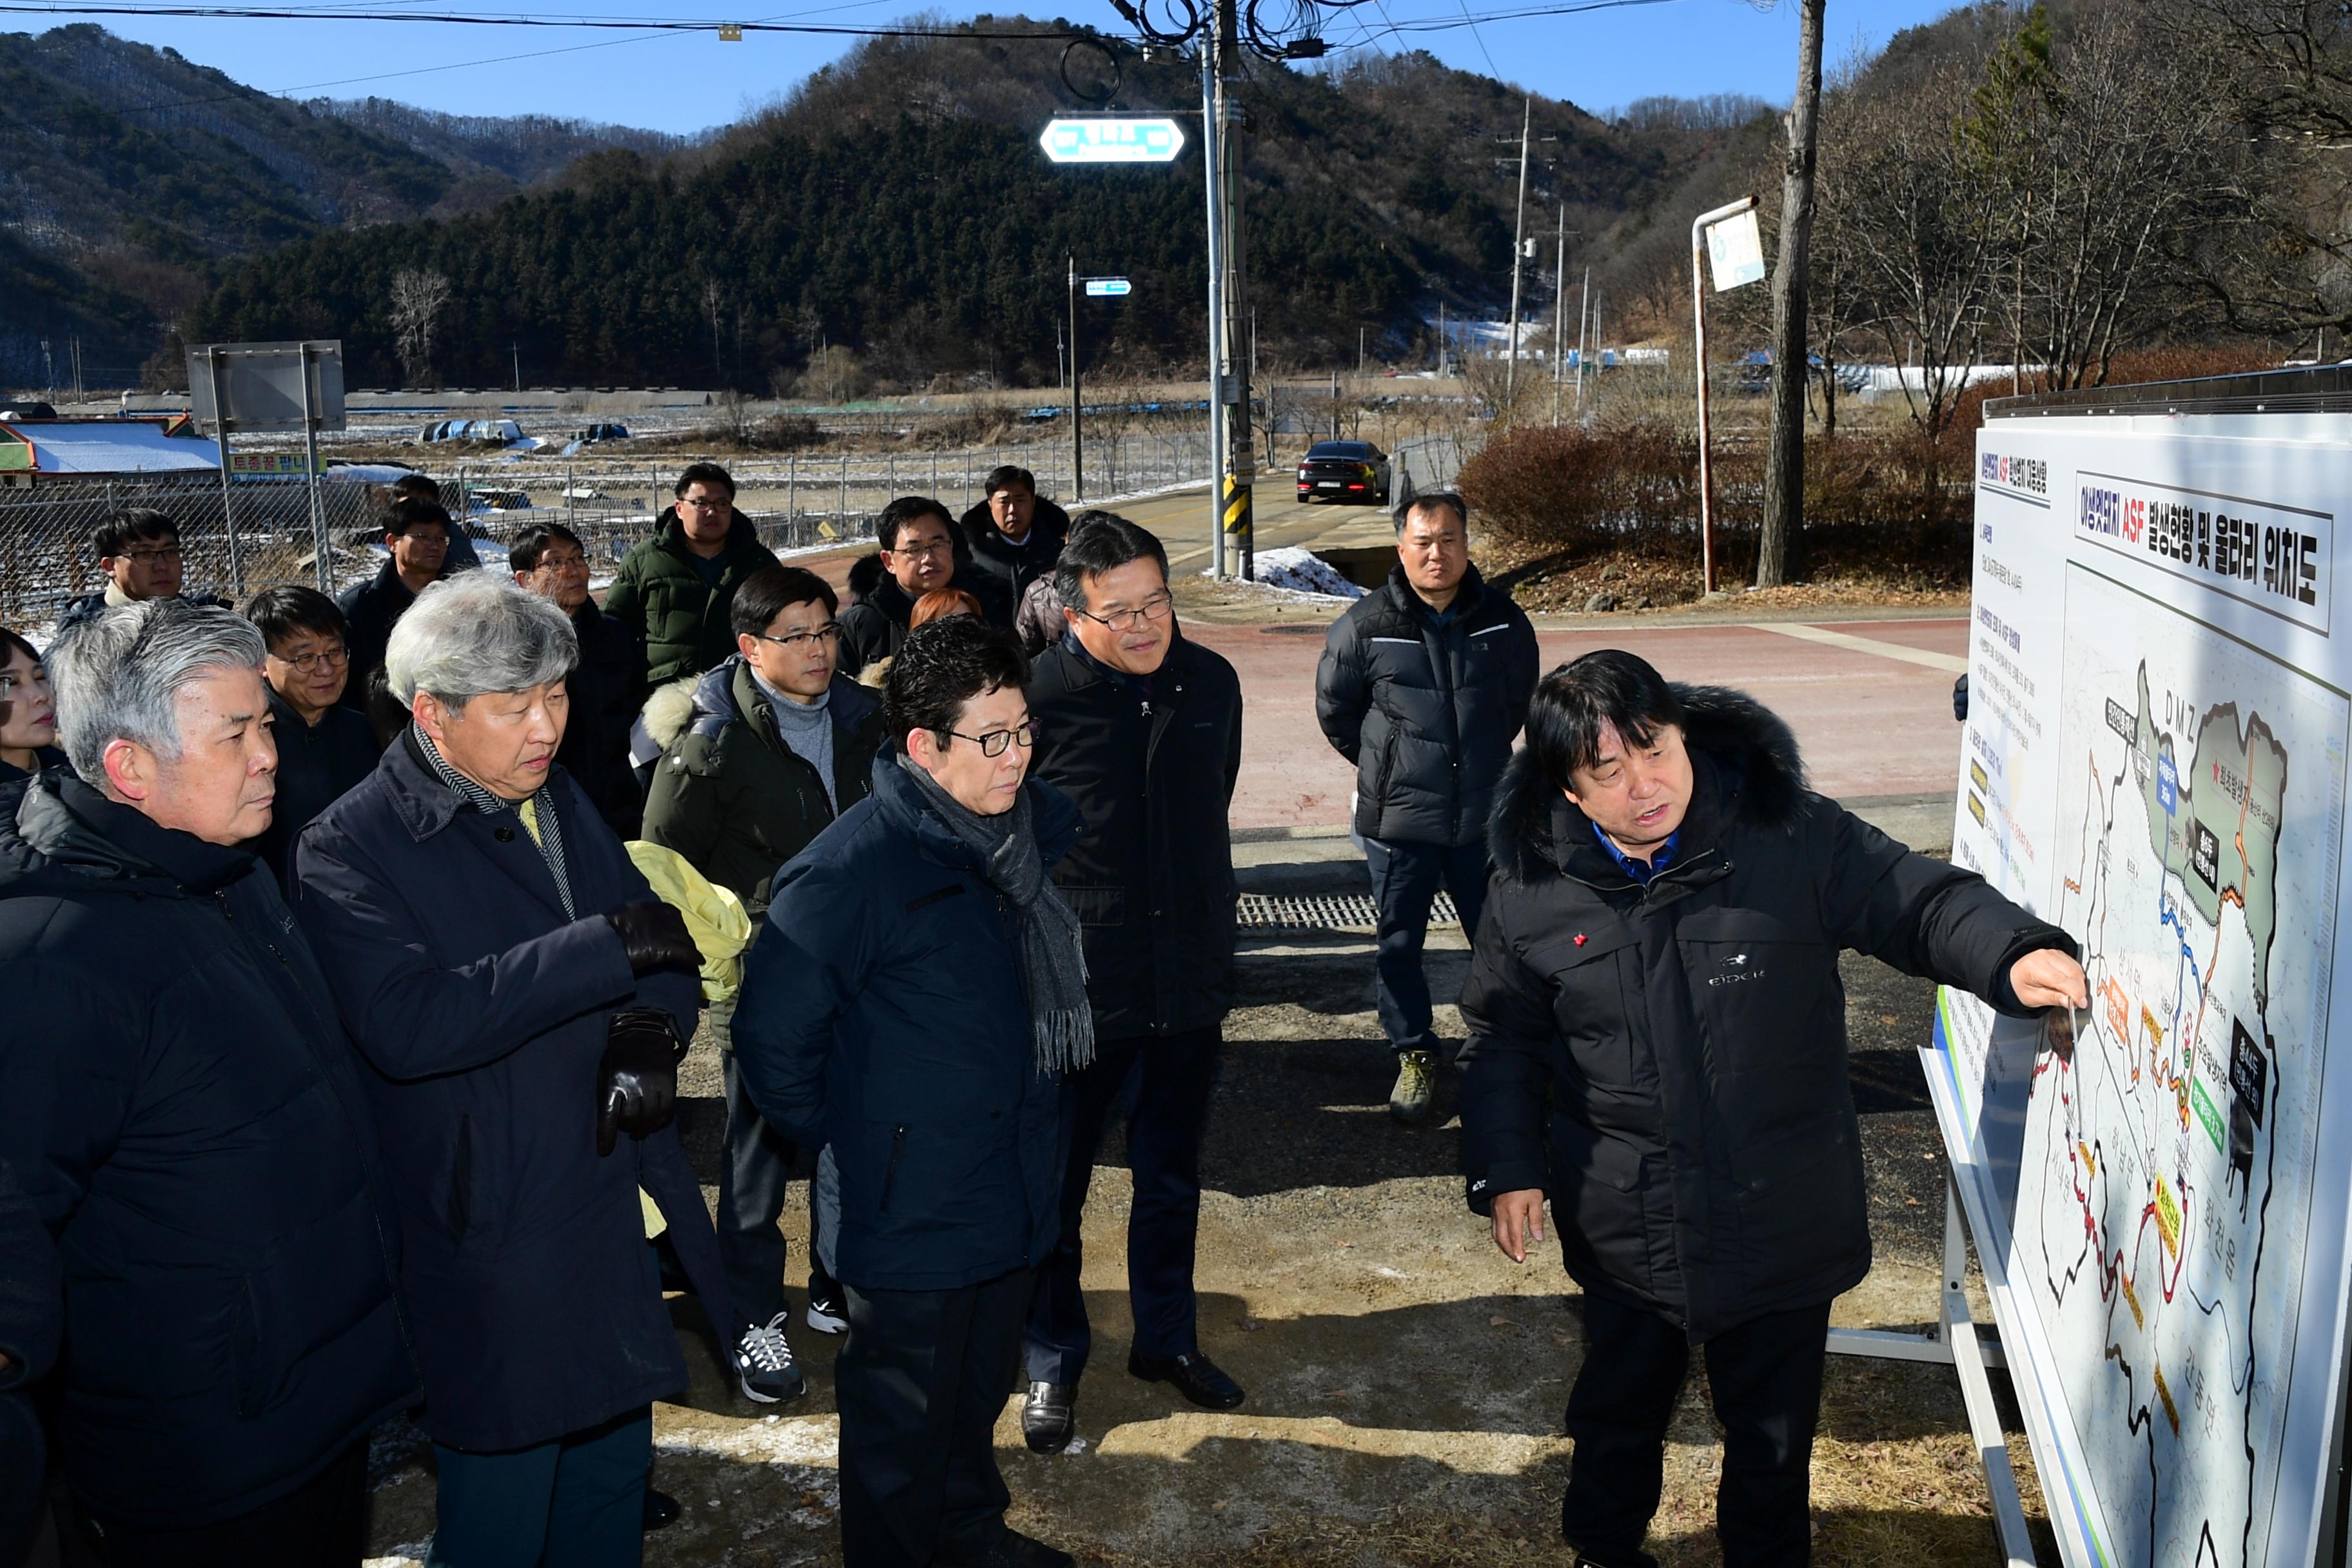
<point x="1053" y="955"/>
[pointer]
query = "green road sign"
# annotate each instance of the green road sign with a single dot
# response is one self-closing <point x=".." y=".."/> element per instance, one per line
<point x="1108" y="139"/>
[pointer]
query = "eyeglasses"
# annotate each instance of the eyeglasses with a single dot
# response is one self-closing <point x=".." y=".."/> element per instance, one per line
<point x="148" y="557"/>
<point x="1151" y="610"/>
<point x="993" y="744"/>
<point x="329" y="658"/>
<point x="824" y="633"/>
<point x="936" y="547"/>
<point x="563" y="563"/>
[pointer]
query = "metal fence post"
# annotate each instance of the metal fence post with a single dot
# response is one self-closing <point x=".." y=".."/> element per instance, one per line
<point x="793" y="490"/>
<point x="844" y="490"/>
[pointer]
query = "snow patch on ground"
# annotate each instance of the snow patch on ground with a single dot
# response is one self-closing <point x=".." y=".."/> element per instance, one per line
<point x="1293" y="571"/>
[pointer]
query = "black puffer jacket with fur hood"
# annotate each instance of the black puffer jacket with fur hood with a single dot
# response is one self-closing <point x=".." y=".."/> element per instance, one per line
<point x="1669" y="1063"/>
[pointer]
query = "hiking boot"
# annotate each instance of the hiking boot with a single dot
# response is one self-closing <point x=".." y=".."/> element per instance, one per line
<point x="1409" y="1100"/>
<point x="763" y="1362"/>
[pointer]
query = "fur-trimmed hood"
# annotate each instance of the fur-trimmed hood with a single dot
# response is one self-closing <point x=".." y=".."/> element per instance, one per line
<point x="670" y="710"/>
<point x="1758" y="777"/>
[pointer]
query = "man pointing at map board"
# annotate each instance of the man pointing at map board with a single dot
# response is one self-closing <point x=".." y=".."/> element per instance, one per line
<point x="1657" y="1044"/>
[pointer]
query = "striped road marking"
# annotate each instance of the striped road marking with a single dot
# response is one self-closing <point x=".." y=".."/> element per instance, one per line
<point x="1951" y="664"/>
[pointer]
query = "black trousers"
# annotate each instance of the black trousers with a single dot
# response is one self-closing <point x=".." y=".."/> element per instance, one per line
<point x="919" y="1383"/>
<point x="1766" y="1378"/>
<point x="1406" y="880"/>
<point x="321" y="1524"/>
<point x="754" y="1178"/>
<point x="1165" y="1082"/>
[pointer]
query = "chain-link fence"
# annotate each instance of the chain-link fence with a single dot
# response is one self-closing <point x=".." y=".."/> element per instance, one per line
<point x="1429" y="463"/>
<point x="266" y="532"/>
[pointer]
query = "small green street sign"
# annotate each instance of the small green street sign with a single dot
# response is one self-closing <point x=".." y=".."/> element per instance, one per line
<point x="1112" y="139"/>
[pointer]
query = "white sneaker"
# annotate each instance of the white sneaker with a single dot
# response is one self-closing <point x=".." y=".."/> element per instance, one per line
<point x="764" y="1364"/>
<point x="827" y="1314"/>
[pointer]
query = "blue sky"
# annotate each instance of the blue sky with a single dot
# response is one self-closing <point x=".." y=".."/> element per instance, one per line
<point x="689" y="82"/>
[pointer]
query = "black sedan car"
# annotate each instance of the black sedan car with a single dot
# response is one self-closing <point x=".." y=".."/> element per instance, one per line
<point x="1344" y="471"/>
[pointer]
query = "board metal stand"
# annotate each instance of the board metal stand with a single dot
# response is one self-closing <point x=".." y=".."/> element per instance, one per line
<point x="1954" y="1342"/>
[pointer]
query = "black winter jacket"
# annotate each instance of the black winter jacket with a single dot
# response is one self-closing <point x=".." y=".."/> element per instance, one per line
<point x="31" y="1305"/>
<point x="482" y="1010"/>
<point x="316" y="763"/>
<point x="1427" y="716"/>
<point x="874" y="627"/>
<point x="603" y="687"/>
<point x="1151" y="877"/>
<point x="1669" y="1063"/>
<point x="1011" y="567"/>
<point x="372" y="608"/>
<point x="182" y="1109"/>
<point x="883" y="1013"/>
<point x="735" y="801"/>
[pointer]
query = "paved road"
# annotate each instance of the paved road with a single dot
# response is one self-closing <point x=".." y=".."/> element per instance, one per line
<point x="1872" y="720"/>
<point x="1870" y="700"/>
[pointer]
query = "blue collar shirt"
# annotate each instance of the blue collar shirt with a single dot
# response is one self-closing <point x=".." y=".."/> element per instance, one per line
<point x="1641" y="870"/>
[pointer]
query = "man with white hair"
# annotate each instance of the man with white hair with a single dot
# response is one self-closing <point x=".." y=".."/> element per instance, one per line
<point x="522" y="1000"/>
<point x="179" y="1106"/>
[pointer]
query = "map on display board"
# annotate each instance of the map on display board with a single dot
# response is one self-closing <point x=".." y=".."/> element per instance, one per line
<point x="2160" y="1185"/>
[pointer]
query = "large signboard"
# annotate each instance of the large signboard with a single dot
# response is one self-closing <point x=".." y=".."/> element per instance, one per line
<point x="2155" y="759"/>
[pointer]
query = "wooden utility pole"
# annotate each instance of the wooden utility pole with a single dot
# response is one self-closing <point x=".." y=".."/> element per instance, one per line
<point x="1518" y="254"/>
<point x="1779" y="548"/>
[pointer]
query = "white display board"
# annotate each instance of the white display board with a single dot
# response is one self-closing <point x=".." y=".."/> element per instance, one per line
<point x="2155" y="759"/>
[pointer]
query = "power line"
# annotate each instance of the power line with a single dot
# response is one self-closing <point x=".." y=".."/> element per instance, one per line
<point x="675" y="24"/>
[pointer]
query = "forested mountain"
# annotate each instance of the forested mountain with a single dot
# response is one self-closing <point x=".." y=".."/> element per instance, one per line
<point x="897" y="203"/>
<point x="129" y="174"/>
<point x="494" y="156"/>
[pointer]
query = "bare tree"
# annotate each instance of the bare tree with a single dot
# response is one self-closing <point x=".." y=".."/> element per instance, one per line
<point x="2104" y="158"/>
<point x="1778" y="547"/>
<point x="2280" y="262"/>
<point x="418" y="298"/>
<point x="1920" y="237"/>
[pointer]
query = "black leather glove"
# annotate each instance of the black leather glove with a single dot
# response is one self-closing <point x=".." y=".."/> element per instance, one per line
<point x="655" y="937"/>
<point x="636" y="1083"/>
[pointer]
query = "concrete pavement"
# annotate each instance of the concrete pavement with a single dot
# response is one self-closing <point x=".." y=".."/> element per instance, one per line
<point x="1869" y="697"/>
<point x="1874" y="721"/>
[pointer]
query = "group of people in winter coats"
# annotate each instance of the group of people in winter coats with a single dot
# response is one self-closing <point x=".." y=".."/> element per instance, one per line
<point x="306" y="1124"/>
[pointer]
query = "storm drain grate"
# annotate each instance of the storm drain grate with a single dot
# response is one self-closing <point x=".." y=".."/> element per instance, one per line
<point x="1324" y="912"/>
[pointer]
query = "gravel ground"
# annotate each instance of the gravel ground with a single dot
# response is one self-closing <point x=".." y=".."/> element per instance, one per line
<point x="1406" y="1380"/>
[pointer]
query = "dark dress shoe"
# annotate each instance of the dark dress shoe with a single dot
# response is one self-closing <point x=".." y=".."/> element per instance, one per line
<point x="1049" y="1416"/>
<point x="1015" y="1551"/>
<point x="1196" y="1377"/>
<point x="661" y="1509"/>
<point x="1024" y="1551"/>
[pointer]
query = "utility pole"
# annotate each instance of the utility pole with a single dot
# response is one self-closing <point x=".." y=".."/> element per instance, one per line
<point x="1078" y="440"/>
<point x="1210" y="137"/>
<point x="1559" y="314"/>
<point x="517" y="347"/>
<point x="1583" y="305"/>
<point x="1518" y="254"/>
<point x="1221" y="58"/>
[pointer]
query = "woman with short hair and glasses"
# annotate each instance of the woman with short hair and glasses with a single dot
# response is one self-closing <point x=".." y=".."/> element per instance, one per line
<point x="914" y="999"/>
<point x="323" y="747"/>
<point x="28" y="714"/>
<point x="760" y="756"/>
